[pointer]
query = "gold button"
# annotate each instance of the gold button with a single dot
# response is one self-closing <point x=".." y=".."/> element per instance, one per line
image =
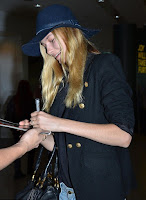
<point x="86" y="84"/>
<point x="69" y="146"/>
<point x="70" y="192"/>
<point x="78" y="145"/>
<point x="81" y="105"/>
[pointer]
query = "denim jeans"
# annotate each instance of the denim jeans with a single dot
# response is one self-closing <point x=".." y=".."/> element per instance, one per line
<point x="66" y="193"/>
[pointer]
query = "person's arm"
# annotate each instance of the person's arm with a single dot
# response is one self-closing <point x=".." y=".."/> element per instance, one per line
<point x="48" y="143"/>
<point x="9" y="154"/>
<point x="105" y="133"/>
<point x="109" y="134"/>
<point x="30" y="140"/>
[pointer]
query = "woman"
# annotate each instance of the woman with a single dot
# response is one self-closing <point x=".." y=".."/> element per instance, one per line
<point x="87" y="105"/>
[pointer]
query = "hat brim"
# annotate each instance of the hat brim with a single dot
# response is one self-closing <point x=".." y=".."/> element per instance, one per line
<point x="32" y="48"/>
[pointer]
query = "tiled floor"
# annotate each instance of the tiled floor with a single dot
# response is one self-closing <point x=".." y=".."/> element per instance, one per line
<point x="9" y="186"/>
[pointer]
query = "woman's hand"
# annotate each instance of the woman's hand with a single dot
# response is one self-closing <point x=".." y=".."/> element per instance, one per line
<point x="42" y="120"/>
<point x="45" y="121"/>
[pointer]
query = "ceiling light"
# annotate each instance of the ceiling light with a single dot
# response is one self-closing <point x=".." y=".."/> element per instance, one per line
<point x="100" y="1"/>
<point x="37" y="5"/>
<point x="117" y="16"/>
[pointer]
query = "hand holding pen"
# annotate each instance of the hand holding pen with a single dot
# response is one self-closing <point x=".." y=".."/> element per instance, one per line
<point x="37" y="103"/>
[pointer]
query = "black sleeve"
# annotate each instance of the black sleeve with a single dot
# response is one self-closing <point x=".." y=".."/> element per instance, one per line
<point x="116" y="93"/>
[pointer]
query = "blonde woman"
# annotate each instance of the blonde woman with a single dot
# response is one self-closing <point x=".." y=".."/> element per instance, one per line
<point x="86" y="104"/>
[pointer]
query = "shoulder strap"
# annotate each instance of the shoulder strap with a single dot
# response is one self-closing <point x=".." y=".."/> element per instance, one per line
<point x="46" y="169"/>
<point x="45" y="172"/>
<point x="39" y="160"/>
<point x="37" y="163"/>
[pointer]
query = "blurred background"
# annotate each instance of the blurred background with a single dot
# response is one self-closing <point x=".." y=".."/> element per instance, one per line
<point x="123" y="32"/>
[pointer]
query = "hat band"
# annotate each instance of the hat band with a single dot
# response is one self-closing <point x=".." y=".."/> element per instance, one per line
<point x="52" y="25"/>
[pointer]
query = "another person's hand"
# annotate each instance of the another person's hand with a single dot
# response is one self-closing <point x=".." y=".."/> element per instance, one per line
<point x="31" y="139"/>
<point x="24" y="124"/>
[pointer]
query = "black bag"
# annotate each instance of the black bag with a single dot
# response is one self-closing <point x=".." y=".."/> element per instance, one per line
<point x="45" y="187"/>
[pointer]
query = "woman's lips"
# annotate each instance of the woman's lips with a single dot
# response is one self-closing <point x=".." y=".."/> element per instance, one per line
<point x="57" y="54"/>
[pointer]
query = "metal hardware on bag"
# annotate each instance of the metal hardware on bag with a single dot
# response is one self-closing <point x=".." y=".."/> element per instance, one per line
<point x="42" y="182"/>
<point x="56" y="182"/>
<point x="39" y="181"/>
<point x="33" y="175"/>
<point x="49" y="175"/>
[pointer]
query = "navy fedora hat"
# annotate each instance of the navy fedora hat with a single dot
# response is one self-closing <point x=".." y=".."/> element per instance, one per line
<point x="50" y="18"/>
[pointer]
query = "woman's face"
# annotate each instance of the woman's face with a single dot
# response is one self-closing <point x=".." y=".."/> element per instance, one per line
<point x="52" y="46"/>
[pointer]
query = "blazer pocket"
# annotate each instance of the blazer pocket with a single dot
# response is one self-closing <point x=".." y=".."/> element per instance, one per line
<point x="103" y="164"/>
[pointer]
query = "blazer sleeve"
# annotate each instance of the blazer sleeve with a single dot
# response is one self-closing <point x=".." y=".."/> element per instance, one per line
<point x="115" y="93"/>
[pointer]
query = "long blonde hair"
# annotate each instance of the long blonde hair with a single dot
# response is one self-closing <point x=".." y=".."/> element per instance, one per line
<point x="77" y="47"/>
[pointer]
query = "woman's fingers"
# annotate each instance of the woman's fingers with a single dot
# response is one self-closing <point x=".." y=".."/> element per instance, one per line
<point x="34" y="119"/>
<point x="44" y="121"/>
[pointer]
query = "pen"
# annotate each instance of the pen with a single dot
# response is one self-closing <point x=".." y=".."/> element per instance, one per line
<point x="37" y="103"/>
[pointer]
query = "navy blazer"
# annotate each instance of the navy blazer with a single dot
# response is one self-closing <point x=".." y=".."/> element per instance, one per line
<point x="99" y="171"/>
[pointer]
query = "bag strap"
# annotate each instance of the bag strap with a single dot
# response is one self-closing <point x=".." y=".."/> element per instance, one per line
<point x="46" y="170"/>
<point x="44" y="175"/>
<point x="39" y="160"/>
<point x="37" y="163"/>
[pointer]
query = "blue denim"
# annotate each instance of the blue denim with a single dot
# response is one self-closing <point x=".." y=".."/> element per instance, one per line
<point x="66" y="193"/>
